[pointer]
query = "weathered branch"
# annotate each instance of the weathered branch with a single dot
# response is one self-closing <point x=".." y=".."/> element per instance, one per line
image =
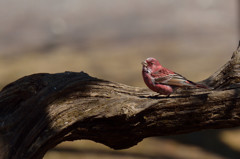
<point x="39" y="111"/>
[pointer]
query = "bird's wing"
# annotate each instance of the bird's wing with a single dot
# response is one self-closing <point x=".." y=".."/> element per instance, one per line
<point x="174" y="80"/>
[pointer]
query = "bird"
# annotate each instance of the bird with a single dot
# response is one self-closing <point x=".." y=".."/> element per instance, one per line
<point x="162" y="80"/>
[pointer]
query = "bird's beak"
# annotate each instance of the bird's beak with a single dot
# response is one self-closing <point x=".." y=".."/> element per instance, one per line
<point x="144" y="63"/>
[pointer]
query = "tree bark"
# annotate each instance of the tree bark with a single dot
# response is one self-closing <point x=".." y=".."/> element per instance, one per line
<point x="39" y="111"/>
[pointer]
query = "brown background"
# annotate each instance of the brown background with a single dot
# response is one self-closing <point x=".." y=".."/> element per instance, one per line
<point x="109" y="39"/>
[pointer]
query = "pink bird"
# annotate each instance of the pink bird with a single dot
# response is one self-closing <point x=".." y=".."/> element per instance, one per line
<point x="163" y="80"/>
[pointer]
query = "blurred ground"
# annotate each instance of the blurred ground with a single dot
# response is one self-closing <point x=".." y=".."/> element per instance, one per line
<point x="109" y="40"/>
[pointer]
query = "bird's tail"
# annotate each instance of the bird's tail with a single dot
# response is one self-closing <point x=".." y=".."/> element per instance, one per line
<point x="201" y="86"/>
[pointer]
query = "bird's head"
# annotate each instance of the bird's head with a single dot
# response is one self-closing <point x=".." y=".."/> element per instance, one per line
<point x="151" y="64"/>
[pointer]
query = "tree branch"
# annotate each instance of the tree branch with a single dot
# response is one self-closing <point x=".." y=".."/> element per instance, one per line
<point x="39" y="111"/>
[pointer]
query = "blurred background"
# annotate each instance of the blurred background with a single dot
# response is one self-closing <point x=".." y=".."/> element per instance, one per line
<point x="109" y="39"/>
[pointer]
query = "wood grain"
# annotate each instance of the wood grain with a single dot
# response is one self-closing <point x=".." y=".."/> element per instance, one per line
<point x="39" y="111"/>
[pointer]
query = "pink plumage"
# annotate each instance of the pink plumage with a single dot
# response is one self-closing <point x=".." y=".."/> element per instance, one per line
<point x="162" y="80"/>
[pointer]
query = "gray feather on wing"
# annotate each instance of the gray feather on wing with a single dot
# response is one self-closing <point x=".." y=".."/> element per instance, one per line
<point x="174" y="80"/>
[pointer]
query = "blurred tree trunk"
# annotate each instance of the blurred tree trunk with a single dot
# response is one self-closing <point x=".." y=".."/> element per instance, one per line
<point x="39" y="111"/>
<point x="238" y="16"/>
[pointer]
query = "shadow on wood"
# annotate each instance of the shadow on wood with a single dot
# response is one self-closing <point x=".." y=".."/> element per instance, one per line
<point x="39" y="111"/>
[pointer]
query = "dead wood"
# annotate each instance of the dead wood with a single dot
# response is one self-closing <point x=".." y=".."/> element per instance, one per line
<point x="39" y="111"/>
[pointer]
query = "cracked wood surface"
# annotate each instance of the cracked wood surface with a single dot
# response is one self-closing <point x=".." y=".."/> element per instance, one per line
<point x="39" y="111"/>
